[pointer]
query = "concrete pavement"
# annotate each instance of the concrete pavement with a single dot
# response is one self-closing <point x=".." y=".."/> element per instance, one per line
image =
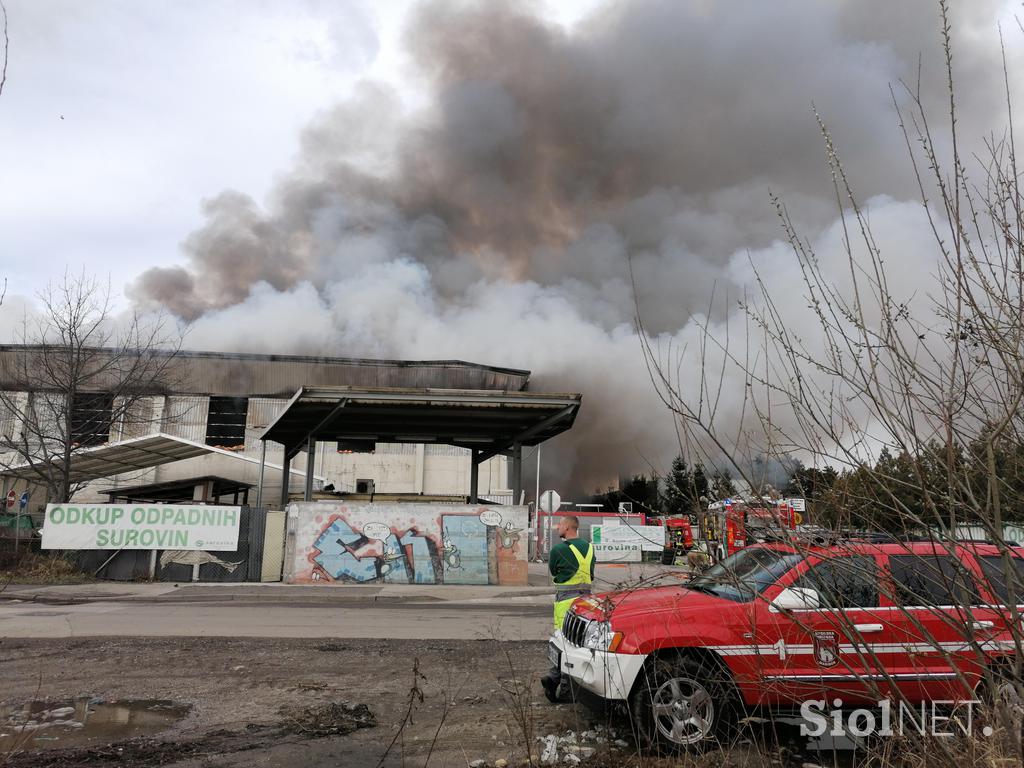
<point x="514" y="621"/>
<point x="384" y="611"/>
<point x="609" y="576"/>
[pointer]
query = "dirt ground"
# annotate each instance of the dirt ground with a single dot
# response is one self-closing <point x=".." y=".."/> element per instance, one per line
<point x="316" y="702"/>
<point x="245" y="695"/>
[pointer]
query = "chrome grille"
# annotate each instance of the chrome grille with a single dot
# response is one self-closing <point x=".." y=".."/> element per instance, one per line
<point x="574" y="629"/>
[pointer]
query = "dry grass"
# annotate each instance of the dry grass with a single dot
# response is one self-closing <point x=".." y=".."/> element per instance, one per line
<point x="36" y="568"/>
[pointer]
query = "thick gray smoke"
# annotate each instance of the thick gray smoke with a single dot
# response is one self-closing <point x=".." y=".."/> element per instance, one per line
<point x="508" y="222"/>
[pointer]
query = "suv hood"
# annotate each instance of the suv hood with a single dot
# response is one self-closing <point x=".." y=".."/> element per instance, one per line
<point x="635" y="603"/>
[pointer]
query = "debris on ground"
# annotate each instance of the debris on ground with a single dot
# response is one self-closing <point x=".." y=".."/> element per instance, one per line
<point x="332" y="719"/>
<point x="572" y="748"/>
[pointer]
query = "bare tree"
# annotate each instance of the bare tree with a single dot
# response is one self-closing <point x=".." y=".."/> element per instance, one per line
<point x="915" y="397"/>
<point x="3" y="81"/>
<point x="7" y="45"/>
<point x="80" y="374"/>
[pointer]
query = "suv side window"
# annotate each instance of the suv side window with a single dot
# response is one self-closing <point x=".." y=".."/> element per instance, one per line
<point x="931" y="580"/>
<point x="843" y="582"/>
<point x="992" y="566"/>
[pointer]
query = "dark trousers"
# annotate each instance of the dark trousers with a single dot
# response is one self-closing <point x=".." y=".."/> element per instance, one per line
<point x="554" y="674"/>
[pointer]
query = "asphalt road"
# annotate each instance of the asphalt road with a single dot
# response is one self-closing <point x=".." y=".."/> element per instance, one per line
<point x="517" y="618"/>
<point x="396" y="612"/>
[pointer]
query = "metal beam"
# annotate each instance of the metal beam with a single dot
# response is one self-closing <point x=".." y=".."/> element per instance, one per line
<point x="435" y="397"/>
<point x="320" y="425"/>
<point x="530" y="432"/>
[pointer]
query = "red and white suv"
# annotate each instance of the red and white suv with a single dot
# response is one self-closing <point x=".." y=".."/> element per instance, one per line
<point x="775" y="625"/>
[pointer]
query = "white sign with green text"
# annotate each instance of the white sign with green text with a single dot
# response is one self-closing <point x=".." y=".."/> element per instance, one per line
<point x="139" y="526"/>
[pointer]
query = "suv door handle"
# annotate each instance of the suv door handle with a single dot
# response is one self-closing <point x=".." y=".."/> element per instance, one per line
<point x="866" y="628"/>
<point x="982" y="624"/>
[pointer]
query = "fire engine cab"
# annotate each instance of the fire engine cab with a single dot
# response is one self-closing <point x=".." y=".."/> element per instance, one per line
<point x="778" y="624"/>
<point x="731" y="524"/>
<point x="678" y="536"/>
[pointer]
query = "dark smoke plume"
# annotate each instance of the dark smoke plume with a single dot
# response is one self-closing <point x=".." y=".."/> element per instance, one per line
<point x="508" y="221"/>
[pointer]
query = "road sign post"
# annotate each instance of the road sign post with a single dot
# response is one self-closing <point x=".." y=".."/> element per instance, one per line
<point x="22" y="503"/>
<point x="550" y="501"/>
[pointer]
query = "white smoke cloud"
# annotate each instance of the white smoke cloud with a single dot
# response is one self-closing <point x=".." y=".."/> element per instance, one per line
<point x="551" y="173"/>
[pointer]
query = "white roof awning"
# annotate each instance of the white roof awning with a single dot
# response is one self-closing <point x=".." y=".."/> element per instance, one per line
<point x="131" y="456"/>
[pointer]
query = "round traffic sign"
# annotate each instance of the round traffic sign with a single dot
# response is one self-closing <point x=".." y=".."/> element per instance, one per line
<point x="11" y="498"/>
<point x="550" y="501"/>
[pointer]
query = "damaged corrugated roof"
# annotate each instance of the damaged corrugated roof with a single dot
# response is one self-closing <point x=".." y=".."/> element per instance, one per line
<point x="252" y="375"/>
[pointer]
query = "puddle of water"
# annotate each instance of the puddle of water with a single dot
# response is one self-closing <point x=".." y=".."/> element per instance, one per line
<point x="85" y="721"/>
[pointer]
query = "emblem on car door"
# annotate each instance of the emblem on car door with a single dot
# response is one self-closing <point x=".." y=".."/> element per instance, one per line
<point x="826" y="648"/>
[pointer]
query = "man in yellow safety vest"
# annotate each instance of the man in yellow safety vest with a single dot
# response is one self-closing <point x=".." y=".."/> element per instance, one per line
<point x="571" y="564"/>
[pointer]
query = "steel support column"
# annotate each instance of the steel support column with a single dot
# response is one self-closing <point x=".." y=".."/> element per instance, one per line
<point x="286" y="470"/>
<point x="263" y="470"/>
<point x="310" y="467"/>
<point x="474" y="475"/>
<point x="517" y="472"/>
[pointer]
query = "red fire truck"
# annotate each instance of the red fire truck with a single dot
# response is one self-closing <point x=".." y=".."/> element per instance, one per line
<point x="731" y="524"/>
<point x="678" y="536"/>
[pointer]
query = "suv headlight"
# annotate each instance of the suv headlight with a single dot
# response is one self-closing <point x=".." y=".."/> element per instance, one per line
<point x="600" y="637"/>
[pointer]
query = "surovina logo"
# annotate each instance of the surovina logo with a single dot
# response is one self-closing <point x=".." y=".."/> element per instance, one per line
<point x="940" y="717"/>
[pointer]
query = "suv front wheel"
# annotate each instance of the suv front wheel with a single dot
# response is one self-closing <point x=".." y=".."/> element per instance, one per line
<point x="683" y="703"/>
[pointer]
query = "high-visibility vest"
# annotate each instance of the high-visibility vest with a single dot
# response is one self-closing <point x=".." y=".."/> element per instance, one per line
<point x="575" y="586"/>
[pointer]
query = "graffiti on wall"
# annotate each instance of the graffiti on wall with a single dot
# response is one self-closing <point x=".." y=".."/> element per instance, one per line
<point x="410" y="544"/>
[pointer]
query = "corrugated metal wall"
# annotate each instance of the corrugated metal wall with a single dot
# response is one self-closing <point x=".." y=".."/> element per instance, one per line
<point x="49" y="411"/>
<point x="446" y="450"/>
<point x="395" y="449"/>
<point x="185" y="416"/>
<point x="261" y="414"/>
<point x="238" y="375"/>
<point x="208" y="373"/>
<point x="10" y="421"/>
<point x="138" y="420"/>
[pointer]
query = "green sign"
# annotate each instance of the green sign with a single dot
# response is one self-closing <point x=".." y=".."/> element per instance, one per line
<point x="130" y="526"/>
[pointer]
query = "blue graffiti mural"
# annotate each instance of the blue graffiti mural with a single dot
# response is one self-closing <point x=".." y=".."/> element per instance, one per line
<point x="465" y="550"/>
<point x="411" y="555"/>
<point x="405" y="560"/>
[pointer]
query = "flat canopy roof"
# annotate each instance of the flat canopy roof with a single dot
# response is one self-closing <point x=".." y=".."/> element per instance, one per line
<point x="128" y="456"/>
<point x="491" y="421"/>
<point x="222" y="486"/>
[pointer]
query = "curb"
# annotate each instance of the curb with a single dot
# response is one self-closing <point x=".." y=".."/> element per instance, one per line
<point x="500" y="598"/>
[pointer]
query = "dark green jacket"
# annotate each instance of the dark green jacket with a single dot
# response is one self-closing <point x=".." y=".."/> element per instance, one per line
<point x="562" y="563"/>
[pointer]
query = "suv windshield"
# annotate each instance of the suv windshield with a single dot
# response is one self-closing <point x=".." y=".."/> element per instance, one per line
<point x="744" y="575"/>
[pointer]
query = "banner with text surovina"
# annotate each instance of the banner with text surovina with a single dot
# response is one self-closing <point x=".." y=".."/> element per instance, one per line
<point x="141" y="526"/>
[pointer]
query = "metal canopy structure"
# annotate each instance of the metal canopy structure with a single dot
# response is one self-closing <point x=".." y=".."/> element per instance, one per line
<point x="117" y="458"/>
<point x="489" y="423"/>
<point x="126" y="456"/>
<point x="213" y="488"/>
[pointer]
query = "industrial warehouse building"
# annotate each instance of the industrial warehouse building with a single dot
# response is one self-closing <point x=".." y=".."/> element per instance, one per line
<point x="226" y="401"/>
<point x="405" y="471"/>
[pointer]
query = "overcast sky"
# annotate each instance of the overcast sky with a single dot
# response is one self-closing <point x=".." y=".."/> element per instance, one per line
<point x="120" y="116"/>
